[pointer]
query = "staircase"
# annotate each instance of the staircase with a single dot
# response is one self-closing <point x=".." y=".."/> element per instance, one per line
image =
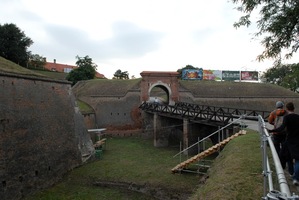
<point x="205" y="153"/>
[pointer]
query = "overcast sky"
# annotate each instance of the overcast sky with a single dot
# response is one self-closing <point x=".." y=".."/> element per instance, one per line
<point x="137" y="35"/>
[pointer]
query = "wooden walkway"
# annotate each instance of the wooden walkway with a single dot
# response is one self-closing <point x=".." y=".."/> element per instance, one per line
<point x="202" y="113"/>
<point x="205" y="153"/>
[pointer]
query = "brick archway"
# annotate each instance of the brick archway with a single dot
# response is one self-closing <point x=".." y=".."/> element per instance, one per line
<point x="167" y="81"/>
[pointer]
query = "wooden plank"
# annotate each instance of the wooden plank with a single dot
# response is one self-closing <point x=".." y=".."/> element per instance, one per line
<point x="96" y="130"/>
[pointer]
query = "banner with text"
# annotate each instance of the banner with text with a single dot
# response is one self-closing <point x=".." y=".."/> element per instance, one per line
<point x="230" y="75"/>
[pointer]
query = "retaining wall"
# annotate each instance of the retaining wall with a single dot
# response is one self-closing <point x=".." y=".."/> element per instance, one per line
<point x="41" y="134"/>
<point x="116" y="103"/>
<point x="115" y="112"/>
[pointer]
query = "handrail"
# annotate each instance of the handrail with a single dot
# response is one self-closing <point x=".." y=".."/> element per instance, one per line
<point x="203" y="112"/>
<point x="242" y="117"/>
<point x="284" y="192"/>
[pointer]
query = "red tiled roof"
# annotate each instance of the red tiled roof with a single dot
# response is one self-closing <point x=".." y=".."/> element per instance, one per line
<point x="53" y="66"/>
<point x="59" y="67"/>
<point x="99" y="75"/>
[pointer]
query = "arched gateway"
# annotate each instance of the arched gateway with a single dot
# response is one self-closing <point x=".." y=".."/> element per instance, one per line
<point x="167" y="81"/>
<point x="153" y="84"/>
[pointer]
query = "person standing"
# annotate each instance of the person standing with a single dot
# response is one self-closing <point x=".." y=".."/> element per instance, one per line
<point x="279" y="138"/>
<point x="291" y="122"/>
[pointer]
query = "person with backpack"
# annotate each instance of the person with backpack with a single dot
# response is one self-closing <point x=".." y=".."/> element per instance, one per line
<point x="291" y="121"/>
<point x="279" y="138"/>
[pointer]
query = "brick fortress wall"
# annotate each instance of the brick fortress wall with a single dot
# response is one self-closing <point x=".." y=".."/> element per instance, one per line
<point x="38" y="135"/>
<point x="121" y="116"/>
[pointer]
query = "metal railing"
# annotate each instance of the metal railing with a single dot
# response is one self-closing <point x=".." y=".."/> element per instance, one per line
<point x="268" y="189"/>
<point x="200" y="143"/>
<point x="269" y="192"/>
<point x="202" y="113"/>
<point x="207" y="137"/>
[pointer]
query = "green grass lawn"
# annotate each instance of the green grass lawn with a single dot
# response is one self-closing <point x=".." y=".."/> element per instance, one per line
<point x="10" y="67"/>
<point x="129" y="160"/>
<point x="235" y="174"/>
<point x="51" y="74"/>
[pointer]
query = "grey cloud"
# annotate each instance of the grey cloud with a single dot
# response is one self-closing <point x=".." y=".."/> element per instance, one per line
<point x="128" y="40"/>
<point x="66" y="43"/>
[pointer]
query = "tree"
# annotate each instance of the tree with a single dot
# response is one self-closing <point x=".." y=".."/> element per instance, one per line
<point x="36" y="61"/>
<point x="14" y="44"/>
<point x="117" y="74"/>
<point x="121" y="75"/>
<point x="125" y="75"/>
<point x="291" y="81"/>
<point x="86" y="70"/>
<point x="284" y="75"/>
<point x="278" y="23"/>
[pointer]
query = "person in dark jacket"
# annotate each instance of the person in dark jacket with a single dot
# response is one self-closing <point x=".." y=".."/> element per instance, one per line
<point x="291" y="122"/>
<point x="279" y="138"/>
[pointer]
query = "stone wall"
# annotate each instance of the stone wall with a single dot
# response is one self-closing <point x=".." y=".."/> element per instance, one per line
<point x="117" y="112"/>
<point x="40" y="134"/>
<point x="90" y="120"/>
<point x="115" y="103"/>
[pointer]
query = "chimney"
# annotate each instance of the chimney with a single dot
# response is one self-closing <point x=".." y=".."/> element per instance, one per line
<point x="54" y="60"/>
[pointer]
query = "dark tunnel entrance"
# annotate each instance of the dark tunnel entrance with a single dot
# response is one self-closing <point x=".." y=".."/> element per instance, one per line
<point x="159" y="94"/>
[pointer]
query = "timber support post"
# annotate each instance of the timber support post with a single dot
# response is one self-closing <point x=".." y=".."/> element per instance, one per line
<point x="157" y="126"/>
<point x="185" y="134"/>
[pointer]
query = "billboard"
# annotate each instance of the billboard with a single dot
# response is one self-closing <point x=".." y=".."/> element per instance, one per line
<point x="192" y="74"/>
<point x="214" y="75"/>
<point x="249" y="75"/>
<point x="230" y="75"/>
<point x="219" y="75"/>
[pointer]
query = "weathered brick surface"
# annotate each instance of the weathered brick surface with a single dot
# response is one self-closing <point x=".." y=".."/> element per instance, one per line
<point x="115" y="103"/>
<point x="114" y="112"/>
<point x="38" y="136"/>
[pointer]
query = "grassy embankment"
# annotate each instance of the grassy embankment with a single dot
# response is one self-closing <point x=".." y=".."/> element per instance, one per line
<point x="235" y="174"/>
<point x="10" y="67"/>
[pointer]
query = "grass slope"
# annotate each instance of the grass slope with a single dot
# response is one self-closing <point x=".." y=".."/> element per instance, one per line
<point x="51" y="74"/>
<point x="11" y="67"/>
<point x="84" y="107"/>
<point x="235" y="174"/>
<point x="105" y="87"/>
<point x="234" y="89"/>
<point x="7" y="66"/>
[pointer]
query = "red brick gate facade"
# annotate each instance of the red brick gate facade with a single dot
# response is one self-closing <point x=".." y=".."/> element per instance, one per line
<point x="167" y="81"/>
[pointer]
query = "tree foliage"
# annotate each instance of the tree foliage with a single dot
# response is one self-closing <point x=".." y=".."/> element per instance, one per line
<point x="278" y="24"/>
<point x="121" y="75"/>
<point x="14" y="44"/>
<point x="36" y="61"/>
<point x="86" y="70"/>
<point x="284" y="75"/>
